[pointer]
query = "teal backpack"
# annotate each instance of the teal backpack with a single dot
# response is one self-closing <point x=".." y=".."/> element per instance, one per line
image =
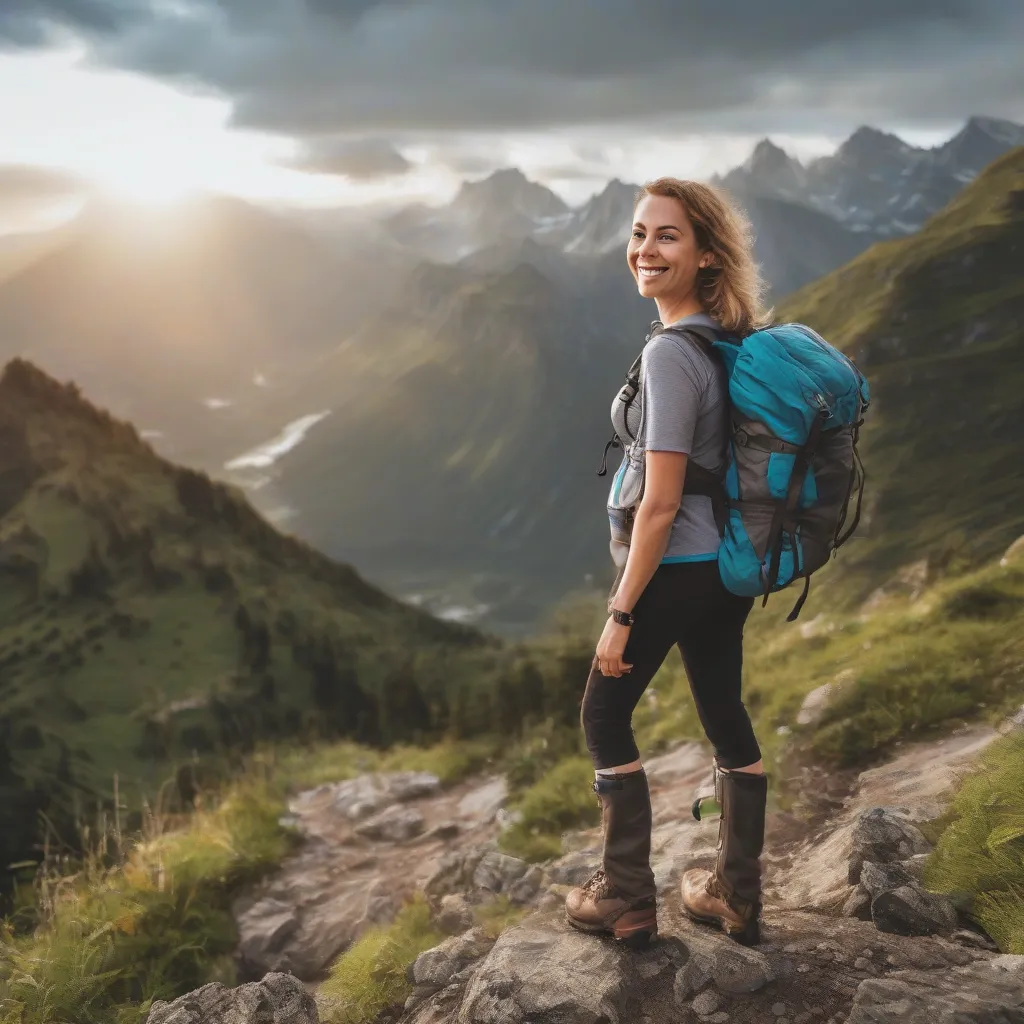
<point x="796" y="406"/>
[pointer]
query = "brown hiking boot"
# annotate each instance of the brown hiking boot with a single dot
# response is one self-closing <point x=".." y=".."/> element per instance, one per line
<point x="730" y="896"/>
<point x="619" y="899"/>
<point x="597" y="906"/>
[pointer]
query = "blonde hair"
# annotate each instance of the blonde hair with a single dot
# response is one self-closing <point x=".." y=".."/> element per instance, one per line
<point x="731" y="289"/>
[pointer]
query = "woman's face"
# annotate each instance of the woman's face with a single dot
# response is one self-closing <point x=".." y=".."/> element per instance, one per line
<point x="662" y="251"/>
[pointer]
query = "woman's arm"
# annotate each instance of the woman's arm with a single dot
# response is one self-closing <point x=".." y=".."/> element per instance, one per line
<point x="663" y="491"/>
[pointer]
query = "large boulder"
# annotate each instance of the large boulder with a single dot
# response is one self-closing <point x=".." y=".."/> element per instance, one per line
<point x="910" y="910"/>
<point x="883" y="836"/>
<point x="542" y="970"/>
<point x="988" y="992"/>
<point x="394" y="824"/>
<point x="277" y="999"/>
<point x="434" y="968"/>
<point x="481" y="805"/>
<point x="366" y="794"/>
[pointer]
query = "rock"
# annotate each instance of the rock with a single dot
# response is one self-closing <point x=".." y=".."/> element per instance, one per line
<point x="524" y="890"/>
<point x="574" y="868"/>
<point x="738" y="970"/>
<point x="910" y="910"/>
<point x="498" y="872"/>
<point x="543" y="971"/>
<point x="883" y="836"/>
<point x="974" y="940"/>
<point x="437" y="966"/>
<point x="986" y="992"/>
<point x="858" y="904"/>
<point x="706" y="1003"/>
<point x="483" y="803"/>
<point x="506" y="818"/>
<point x="444" y="830"/>
<point x="455" y="914"/>
<point x="879" y="878"/>
<point x="394" y="824"/>
<point x="683" y="763"/>
<point x="454" y="873"/>
<point x="733" y="969"/>
<point x="1014" y="552"/>
<point x="364" y="795"/>
<point x="814" y="705"/>
<point x="293" y="928"/>
<point x="779" y="1009"/>
<point x="1015" y="721"/>
<point x="693" y="977"/>
<point x="277" y="999"/>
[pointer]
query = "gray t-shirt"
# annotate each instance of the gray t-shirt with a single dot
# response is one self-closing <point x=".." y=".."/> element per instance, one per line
<point x="680" y="408"/>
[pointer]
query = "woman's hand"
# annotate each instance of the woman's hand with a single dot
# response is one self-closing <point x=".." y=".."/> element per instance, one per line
<point x="610" y="648"/>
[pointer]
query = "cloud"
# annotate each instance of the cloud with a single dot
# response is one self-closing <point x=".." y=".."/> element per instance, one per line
<point x="359" y="159"/>
<point x="411" y="67"/>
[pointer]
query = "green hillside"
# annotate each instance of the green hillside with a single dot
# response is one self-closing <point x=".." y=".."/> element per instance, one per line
<point x="149" y="618"/>
<point x="936" y="322"/>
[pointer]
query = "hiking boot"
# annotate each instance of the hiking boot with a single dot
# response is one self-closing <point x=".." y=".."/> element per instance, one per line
<point x="619" y="899"/>
<point x="730" y="896"/>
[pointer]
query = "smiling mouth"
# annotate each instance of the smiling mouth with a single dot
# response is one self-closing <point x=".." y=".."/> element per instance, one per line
<point x="651" y="271"/>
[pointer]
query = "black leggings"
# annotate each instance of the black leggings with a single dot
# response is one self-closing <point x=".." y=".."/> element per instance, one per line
<point x="685" y="604"/>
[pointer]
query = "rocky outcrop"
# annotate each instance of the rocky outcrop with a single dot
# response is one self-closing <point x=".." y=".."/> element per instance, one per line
<point x="370" y="842"/>
<point x="991" y="992"/>
<point x="277" y="999"/>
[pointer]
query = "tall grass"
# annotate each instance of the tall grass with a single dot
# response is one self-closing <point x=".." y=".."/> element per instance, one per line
<point x="112" y="937"/>
<point x="371" y="975"/>
<point x="979" y="858"/>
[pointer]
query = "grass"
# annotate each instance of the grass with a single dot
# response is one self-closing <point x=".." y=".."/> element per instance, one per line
<point x="371" y="975"/>
<point x="112" y="938"/>
<point x="561" y="800"/>
<point x="497" y="915"/>
<point x="979" y="857"/>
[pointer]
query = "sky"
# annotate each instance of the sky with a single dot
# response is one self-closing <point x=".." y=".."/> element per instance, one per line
<point x="325" y="102"/>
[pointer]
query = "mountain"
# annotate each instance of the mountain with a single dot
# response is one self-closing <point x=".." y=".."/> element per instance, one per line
<point x="875" y="183"/>
<point x="458" y="462"/>
<point x="505" y="207"/>
<point x="467" y="427"/>
<point x="149" y="616"/>
<point x="936" y="322"/>
<point x="185" y="322"/>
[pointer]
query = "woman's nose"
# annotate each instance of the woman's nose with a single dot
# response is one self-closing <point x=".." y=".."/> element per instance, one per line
<point x="648" y="246"/>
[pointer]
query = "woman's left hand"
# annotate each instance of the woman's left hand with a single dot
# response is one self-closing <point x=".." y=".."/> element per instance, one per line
<point x="610" y="648"/>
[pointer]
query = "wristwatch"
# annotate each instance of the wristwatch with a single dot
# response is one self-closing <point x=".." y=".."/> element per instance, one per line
<point x="622" y="618"/>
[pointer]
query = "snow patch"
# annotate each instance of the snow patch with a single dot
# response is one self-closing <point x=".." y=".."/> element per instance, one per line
<point x="265" y="455"/>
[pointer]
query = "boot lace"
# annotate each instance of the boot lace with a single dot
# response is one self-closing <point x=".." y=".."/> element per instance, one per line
<point x="597" y="884"/>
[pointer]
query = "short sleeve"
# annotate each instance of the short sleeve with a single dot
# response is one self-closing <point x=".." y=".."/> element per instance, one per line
<point x="673" y="385"/>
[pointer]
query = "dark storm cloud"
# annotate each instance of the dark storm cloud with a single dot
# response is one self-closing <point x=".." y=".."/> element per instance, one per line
<point x="359" y="159"/>
<point x="331" y="66"/>
<point x="28" y="22"/>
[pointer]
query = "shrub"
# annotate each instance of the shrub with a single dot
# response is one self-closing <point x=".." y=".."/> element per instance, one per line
<point x="371" y="975"/>
<point x="563" y="799"/>
<point x="979" y="858"/>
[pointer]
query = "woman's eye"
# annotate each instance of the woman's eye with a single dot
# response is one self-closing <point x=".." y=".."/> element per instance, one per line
<point x="667" y="238"/>
<point x="638" y="234"/>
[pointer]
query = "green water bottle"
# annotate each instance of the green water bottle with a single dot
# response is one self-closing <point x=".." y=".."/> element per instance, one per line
<point x="704" y="806"/>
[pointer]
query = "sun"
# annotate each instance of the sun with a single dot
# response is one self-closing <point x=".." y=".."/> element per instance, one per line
<point x="149" y="185"/>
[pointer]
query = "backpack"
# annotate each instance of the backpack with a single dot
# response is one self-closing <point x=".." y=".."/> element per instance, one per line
<point x="796" y="405"/>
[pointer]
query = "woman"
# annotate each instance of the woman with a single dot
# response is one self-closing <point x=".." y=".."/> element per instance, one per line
<point x="691" y="253"/>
